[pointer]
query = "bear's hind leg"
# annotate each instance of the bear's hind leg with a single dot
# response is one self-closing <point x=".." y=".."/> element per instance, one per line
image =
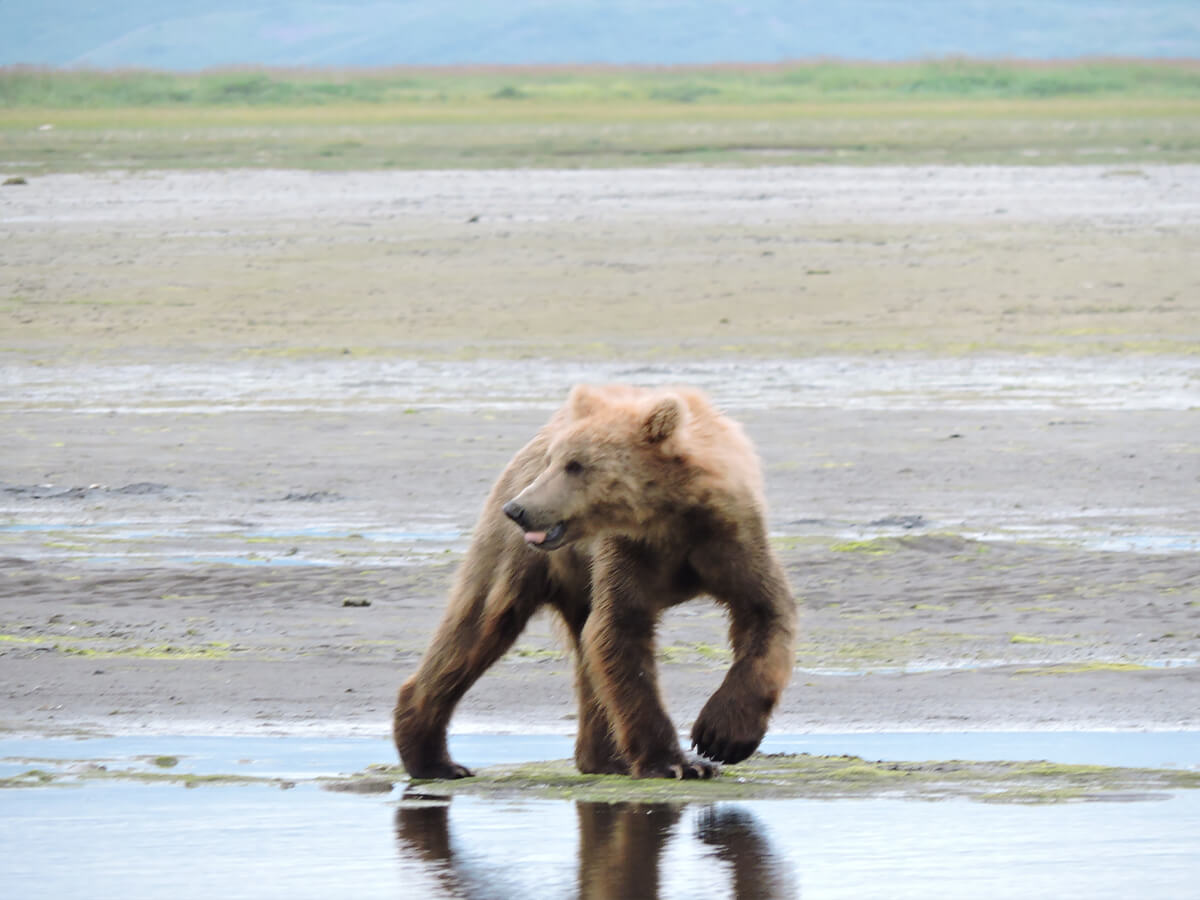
<point x="483" y="620"/>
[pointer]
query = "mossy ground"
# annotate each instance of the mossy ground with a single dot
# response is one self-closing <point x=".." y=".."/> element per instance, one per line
<point x="763" y="777"/>
<point x="789" y="776"/>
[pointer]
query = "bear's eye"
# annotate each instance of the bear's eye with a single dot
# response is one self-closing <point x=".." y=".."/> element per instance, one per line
<point x="574" y="467"/>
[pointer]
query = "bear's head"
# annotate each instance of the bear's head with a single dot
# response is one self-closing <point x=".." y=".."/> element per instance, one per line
<point x="613" y="464"/>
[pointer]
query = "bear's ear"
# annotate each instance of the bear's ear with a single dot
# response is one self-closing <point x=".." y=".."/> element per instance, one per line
<point x="583" y="401"/>
<point x="664" y="418"/>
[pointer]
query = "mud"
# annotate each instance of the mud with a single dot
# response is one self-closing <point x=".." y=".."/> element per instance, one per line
<point x="249" y="418"/>
<point x="636" y="264"/>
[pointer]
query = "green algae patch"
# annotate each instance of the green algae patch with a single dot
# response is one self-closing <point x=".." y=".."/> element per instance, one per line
<point x="762" y="777"/>
<point x="872" y="547"/>
<point x="788" y="776"/>
<point x="209" y="651"/>
<point x="694" y="652"/>
<point x="78" y="776"/>
<point x="142" y="769"/>
<point x="1082" y="668"/>
<point x="98" y="647"/>
<point x="28" y="778"/>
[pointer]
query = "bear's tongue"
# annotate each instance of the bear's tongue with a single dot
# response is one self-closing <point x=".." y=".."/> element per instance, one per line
<point x="535" y="537"/>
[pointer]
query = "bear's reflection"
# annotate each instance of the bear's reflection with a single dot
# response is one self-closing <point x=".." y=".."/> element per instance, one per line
<point x="620" y="845"/>
<point x="620" y="848"/>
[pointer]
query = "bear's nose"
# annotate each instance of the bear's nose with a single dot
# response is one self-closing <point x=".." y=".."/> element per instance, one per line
<point x="515" y="511"/>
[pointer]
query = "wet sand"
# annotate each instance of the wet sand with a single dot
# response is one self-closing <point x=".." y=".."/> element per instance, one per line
<point x="250" y="417"/>
<point x="637" y="264"/>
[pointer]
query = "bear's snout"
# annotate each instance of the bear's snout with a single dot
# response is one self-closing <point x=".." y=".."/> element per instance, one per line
<point x="515" y="511"/>
<point x="538" y="534"/>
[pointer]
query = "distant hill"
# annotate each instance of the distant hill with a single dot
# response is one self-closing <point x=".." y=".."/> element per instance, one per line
<point x="196" y="34"/>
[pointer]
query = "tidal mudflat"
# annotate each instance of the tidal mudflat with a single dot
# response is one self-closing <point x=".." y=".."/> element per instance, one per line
<point x="249" y="418"/>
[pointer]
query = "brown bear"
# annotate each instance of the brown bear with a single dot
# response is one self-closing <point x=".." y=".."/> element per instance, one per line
<point x="627" y="502"/>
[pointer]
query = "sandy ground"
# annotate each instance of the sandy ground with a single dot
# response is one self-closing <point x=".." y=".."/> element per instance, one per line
<point x="249" y="418"/>
<point x="641" y="264"/>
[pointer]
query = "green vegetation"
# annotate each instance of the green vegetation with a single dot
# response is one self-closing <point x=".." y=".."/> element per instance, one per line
<point x="709" y="85"/>
<point x="115" y="648"/>
<point x="1034" y="639"/>
<point x="210" y="650"/>
<point x="694" y="652"/>
<point x="1082" y="668"/>
<point x="779" y="776"/>
<point x="934" y="112"/>
<point x="770" y="776"/>
<point x="871" y="547"/>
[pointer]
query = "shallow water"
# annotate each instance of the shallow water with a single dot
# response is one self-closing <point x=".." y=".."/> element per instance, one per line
<point x="150" y="841"/>
<point x="301" y="756"/>
<point x="188" y="542"/>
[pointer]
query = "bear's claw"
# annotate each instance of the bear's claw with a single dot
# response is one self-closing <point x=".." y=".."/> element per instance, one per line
<point x="710" y="745"/>
<point x="680" y="771"/>
<point x="698" y="769"/>
<point x="442" y="771"/>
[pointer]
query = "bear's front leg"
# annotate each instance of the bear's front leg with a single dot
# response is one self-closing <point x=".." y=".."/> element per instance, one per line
<point x="596" y="750"/>
<point x="618" y="653"/>
<point x="419" y="731"/>
<point x="733" y="722"/>
<point x="621" y="665"/>
<point x="750" y="582"/>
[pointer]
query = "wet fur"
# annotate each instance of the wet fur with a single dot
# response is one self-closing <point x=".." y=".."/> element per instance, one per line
<point x="665" y="504"/>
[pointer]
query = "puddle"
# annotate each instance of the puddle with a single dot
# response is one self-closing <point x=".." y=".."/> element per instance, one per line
<point x="190" y="542"/>
<point x="154" y="840"/>
<point x="302" y="543"/>
<point x="322" y="755"/>
<point x="921" y="667"/>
